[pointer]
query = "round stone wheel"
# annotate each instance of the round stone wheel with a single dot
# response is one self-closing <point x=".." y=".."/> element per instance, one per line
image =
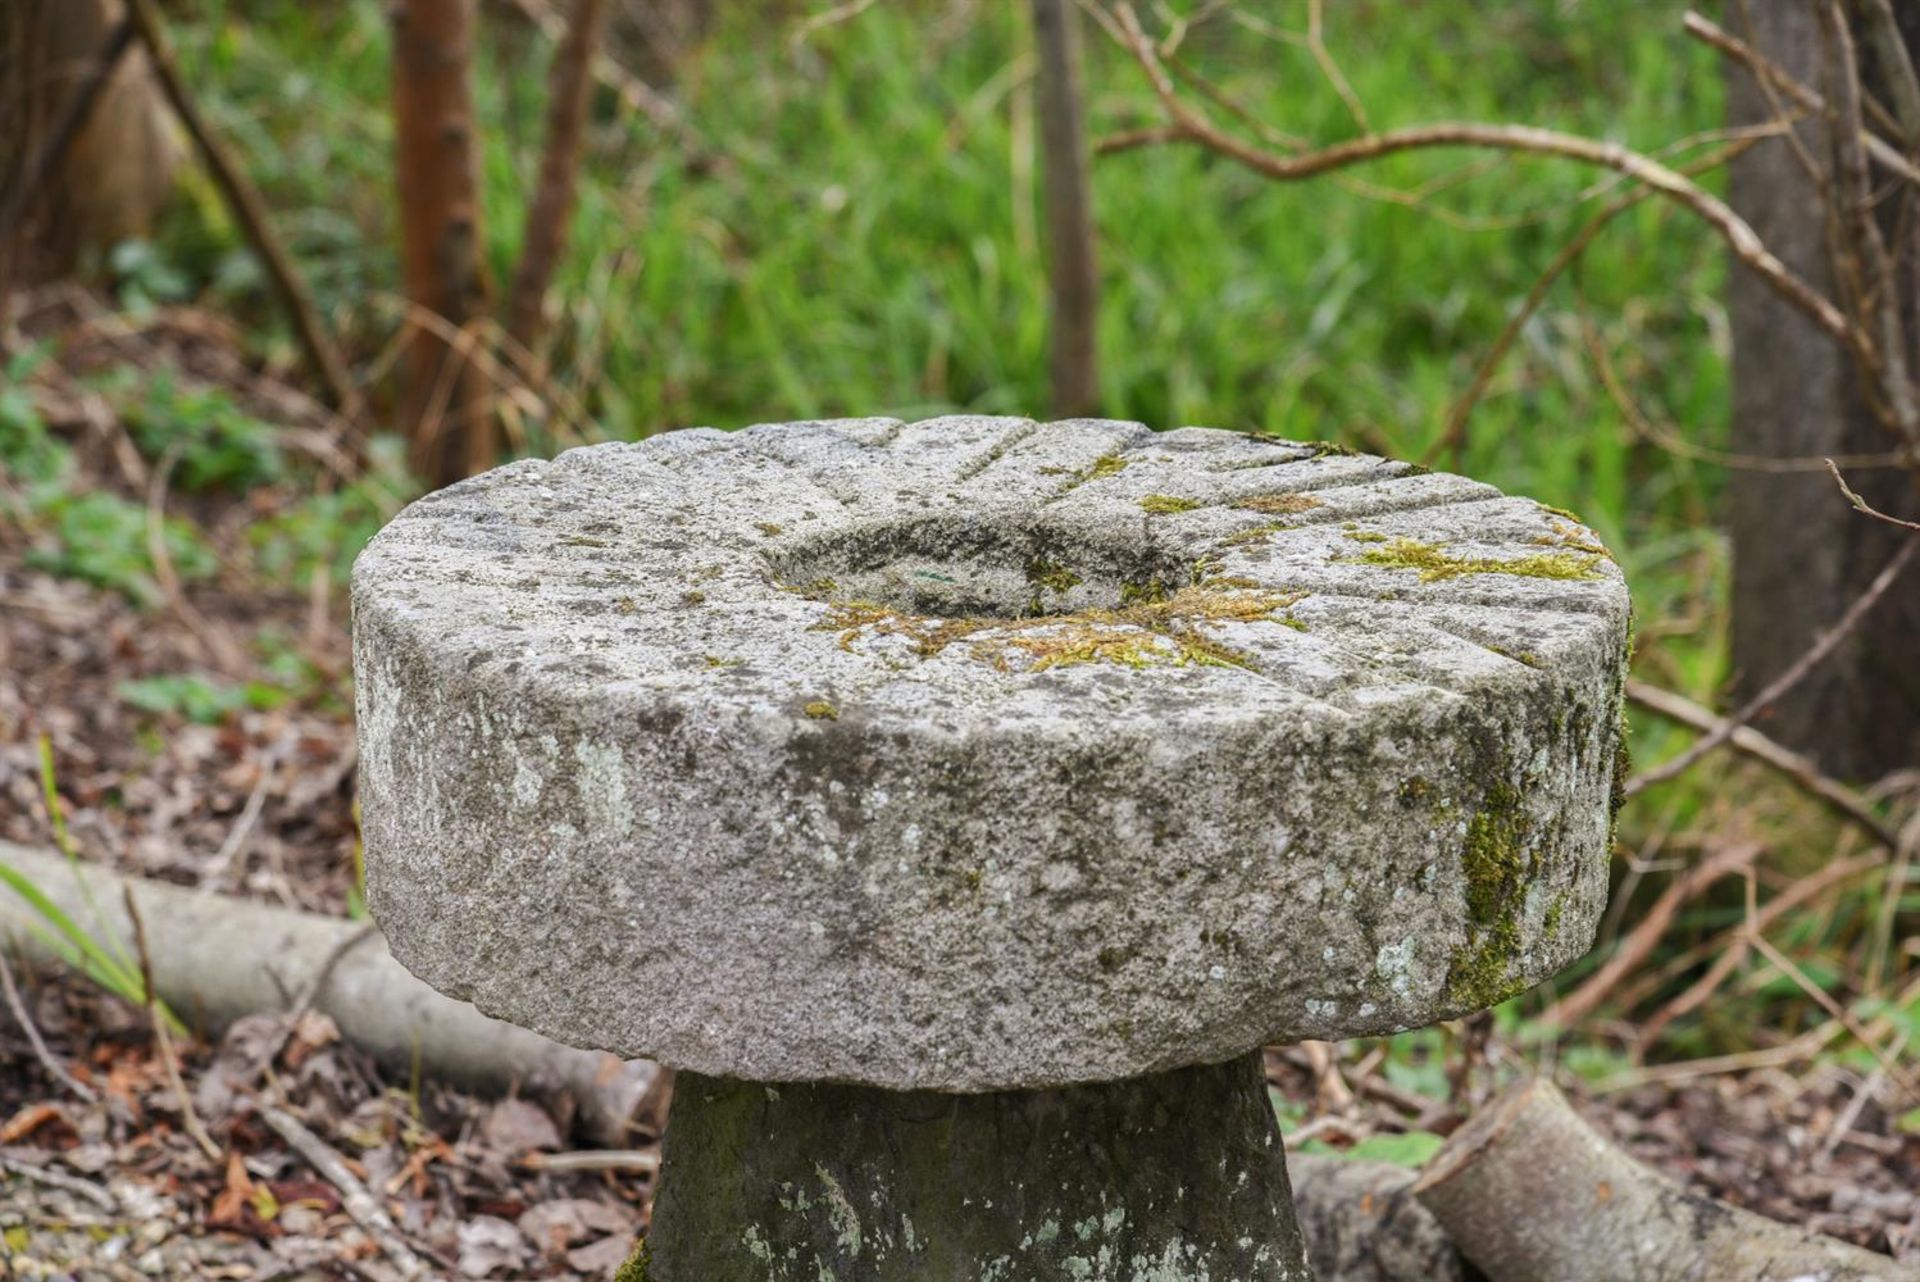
<point x="980" y="754"/>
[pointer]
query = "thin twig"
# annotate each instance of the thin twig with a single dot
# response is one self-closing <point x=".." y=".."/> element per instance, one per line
<point x="1739" y="236"/>
<point x="102" y="1198"/>
<point x="645" y="1160"/>
<point x="1646" y="935"/>
<point x="74" y="115"/>
<point x="1825" y="1000"/>
<point x="163" y="1038"/>
<point x="1746" y="739"/>
<point x="54" y="1068"/>
<point x="1730" y="948"/>
<point x="1773" y="75"/>
<point x="354" y="1198"/>
<point x="1895" y="64"/>
<point x="1861" y="505"/>
<point x="249" y="210"/>
<point x="828" y="18"/>
<point x="1787" y="680"/>
<point x="236" y="840"/>
<point x="629" y="88"/>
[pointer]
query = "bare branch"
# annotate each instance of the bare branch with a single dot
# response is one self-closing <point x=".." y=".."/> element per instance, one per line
<point x="569" y="94"/>
<point x="1844" y="800"/>
<point x="1771" y="73"/>
<point x="1453" y="438"/>
<point x="1896" y="66"/>
<point x="1740" y="237"/>
<point x="249" y="210"/>
<point x="1788" y="679"/>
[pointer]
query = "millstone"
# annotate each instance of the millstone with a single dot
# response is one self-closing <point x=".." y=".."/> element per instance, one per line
<point x="983" y="757"/>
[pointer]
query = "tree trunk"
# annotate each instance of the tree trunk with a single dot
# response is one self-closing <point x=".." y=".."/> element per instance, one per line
<point x="116" y="173"/>
<point x="1072" y="273"/>
<point x="569" y="94"/>
<point x="444" y="408"/>
<point x="1800" y="553"/>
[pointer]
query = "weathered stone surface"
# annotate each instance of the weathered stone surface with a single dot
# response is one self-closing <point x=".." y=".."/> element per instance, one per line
<point x="677" y="749"/>
<point x="1175" y="1177"/>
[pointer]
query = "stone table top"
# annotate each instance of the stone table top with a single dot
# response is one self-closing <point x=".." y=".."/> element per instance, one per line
<point x="979" y="754"/>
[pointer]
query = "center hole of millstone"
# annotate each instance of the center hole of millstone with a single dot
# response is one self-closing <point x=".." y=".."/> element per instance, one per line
<point x="968" y="569"/>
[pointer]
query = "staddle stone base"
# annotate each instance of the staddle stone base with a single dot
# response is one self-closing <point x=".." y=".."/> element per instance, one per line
<point x="1176" y="1177"/>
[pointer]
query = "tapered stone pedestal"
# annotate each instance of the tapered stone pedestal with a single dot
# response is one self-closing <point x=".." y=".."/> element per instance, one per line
<point x="1176" y="1175"/>
<point x="1000" y="772"/>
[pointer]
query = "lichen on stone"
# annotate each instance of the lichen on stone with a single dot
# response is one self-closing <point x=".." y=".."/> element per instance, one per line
<point x="1435" y="563"/>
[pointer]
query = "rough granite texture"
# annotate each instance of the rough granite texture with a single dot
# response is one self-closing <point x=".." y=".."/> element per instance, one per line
<point x="698" y="748"/>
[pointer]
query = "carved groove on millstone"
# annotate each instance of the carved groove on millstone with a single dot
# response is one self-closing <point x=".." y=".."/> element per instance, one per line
<point x="1178" y="1177"/>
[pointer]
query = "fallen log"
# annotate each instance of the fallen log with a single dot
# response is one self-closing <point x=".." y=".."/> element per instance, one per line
<point x="1363" y="1224"/>
<point x="1530" y="1193"/>
<point x="218" y="959"/>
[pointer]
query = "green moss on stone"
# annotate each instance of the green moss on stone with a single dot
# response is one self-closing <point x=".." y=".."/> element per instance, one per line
<point x="767" y="528"/>
<point x="635" y="1269"/>
<point x="821" y="710"/>
<point x="1167" y="504"/>
<point x="1042" y="573"/>
<point x="1551" y="926"/>
<point x="1435" y="563"/>
<point x="1495" y="865"/>
<point x="1281" y="504"/>
<point x="1108" y="465"/>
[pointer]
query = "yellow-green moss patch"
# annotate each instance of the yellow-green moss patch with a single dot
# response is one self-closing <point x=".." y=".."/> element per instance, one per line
<point x="1435" y="563"/>
<point x="1281" y="504"/>
<point x="1153" y="628"/>
<point x="821" y="710"/>
<point x="1167" y="504"/>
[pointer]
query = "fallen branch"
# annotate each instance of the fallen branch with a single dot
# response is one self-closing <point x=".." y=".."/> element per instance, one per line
<point x="1363" y="1224"/>
<point x="102" y="1198"/>
<point x="354" y="1198"/>
<point x="1531" y="1193"/>
<point x="216" y="959"/>
<point x="249" y="210"/>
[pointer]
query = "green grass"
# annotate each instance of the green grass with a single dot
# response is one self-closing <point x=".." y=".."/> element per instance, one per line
<point x="863" y="239"/>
